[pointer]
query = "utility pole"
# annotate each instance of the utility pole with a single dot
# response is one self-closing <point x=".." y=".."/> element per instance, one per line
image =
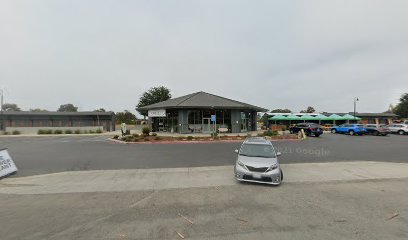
<point x="355" y="103"/>
<point x="2" y="116"/>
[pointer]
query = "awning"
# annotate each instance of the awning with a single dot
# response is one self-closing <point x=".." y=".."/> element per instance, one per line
<point x="293" y="117"/>
<point x="278" y="118"/>
<point x="334" y="117"/>
<point x="308" y="117"/>
<point x="322" y="117"/>
<point x="349" y="117"/>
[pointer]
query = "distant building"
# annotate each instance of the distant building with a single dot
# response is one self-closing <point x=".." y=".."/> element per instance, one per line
<point x="377" y="118"/>
<point x="194" y="113"/>
<point x="31" y="122"/>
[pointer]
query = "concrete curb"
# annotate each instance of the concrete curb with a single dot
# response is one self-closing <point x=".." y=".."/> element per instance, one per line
<point x="195" y="142"/>
<point x="58" y="135"/>
<point x="196" y="177"/>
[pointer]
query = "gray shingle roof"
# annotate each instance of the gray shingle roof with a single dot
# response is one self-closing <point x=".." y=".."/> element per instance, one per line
<point x="202" y="100"/>
<point x="23" y="113"/>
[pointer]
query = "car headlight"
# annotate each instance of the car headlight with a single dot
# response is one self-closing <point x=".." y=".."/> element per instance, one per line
<point x="242" y="165"/>
<point x="273" y="167"/>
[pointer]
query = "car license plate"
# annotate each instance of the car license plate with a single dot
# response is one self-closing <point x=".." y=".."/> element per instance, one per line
<point x="257" y="176"/>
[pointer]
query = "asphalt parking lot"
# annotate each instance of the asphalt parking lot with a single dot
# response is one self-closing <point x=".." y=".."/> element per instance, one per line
<point x="41" y="155"/>
<point x="319" y="211"/>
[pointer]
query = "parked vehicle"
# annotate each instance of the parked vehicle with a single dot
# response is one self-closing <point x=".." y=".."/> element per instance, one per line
<point x="399" y="128"/>
<point x="308" y="128"/>
<point x="352" y="129"/>
<point x="257" y="161"/>
<point x="377" y="129"/>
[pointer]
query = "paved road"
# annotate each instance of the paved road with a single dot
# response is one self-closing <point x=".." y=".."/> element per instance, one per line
<point x="39" y="155"/>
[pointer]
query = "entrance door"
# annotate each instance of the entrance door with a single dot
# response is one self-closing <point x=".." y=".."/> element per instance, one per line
<point x="244" y="125"/>
<point x="206" y="125"/>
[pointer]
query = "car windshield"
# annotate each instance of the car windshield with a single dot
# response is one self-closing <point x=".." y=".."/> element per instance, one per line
<point x="257" y="150"/>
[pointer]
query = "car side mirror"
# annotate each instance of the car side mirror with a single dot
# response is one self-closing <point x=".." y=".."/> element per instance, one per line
<point x="236" y="150"/>
<point x="278" y="154"/>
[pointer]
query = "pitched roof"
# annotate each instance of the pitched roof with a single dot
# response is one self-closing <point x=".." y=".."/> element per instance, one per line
<point x="202" y="100"/>
<point x="53" y="113"/>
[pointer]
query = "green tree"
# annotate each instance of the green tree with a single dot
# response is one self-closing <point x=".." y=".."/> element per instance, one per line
<point x="11" y="107"/>
<point x="402" y="108"/>
<point x="67" y="108"/>
<point x="100" y="110"/>
<point x="125" y="117"/>
<point x="278" y="110"/>
<point x="309" y="110"/>
<point x="151" y="96"/>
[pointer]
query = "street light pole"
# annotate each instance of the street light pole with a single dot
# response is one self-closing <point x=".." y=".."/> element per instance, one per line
<point x="355" y="103"/>
<point x="2" y="116"/>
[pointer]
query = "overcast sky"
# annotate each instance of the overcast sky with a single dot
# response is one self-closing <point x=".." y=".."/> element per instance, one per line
<point x="274" y="54"/>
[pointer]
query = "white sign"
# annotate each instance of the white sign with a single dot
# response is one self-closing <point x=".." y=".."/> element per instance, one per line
<point x="157" y="113"/>
<point x="7" y="165"/>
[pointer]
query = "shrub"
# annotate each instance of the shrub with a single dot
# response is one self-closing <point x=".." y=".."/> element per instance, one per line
<point x="146" y="131"/>
<point x="157" y="138"/>
<point x="77" y="131"/>
<point x="85" y="131"/>
<point x="6" y="133"/>
<point x="154" y="134"/>
<point x="91" y="131"/>
<point x="58" y="131"/>
<point x="127" y="138"/>
<point x="41" y="131"/>
<point x="190" y="138"/>
<point x="98" y="130"/>
<point x="116" y="137"/>
<point x="16" y="132"/>
<point x="135" y="135"/>
<point x="214" y="134"/>
<point x="68" y="131"/>
<point x="260" y="134"/>
<point x="180" y="138"/>
<point x="49" y="131"/>
<point x="270" y="133"/>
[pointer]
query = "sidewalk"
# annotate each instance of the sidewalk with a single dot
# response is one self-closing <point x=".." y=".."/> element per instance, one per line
<point x="200" y="177"/>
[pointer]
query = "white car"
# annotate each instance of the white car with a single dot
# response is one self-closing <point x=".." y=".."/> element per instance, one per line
<point x="257" y="161"/>
<point x="399" y="128"/>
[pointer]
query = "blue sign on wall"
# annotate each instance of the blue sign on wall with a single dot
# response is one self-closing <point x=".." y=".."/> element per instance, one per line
<point x="213" y="118"/>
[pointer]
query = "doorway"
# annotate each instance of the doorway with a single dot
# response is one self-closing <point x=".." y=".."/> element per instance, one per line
<point x="244" y="125"/>
<point x="206" y="125"/>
